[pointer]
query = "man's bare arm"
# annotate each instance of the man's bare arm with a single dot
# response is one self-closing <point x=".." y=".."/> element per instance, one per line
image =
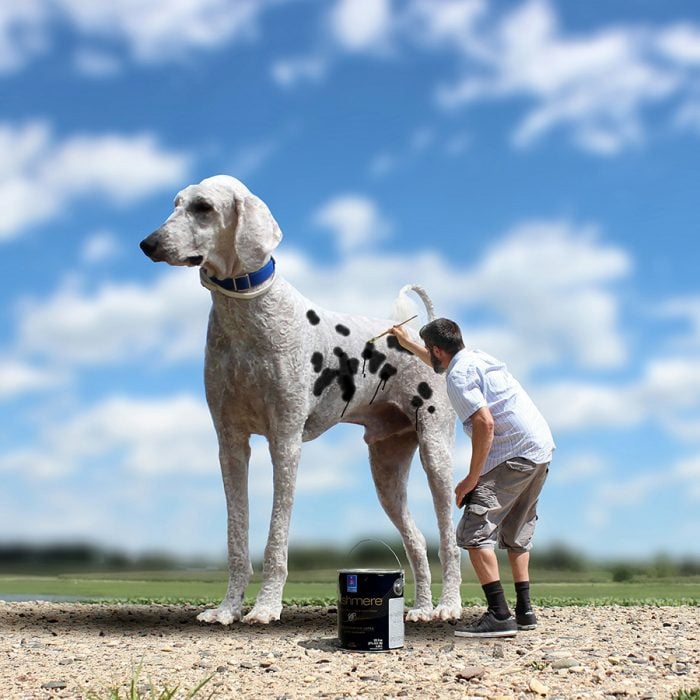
<point x="418" y="349"/>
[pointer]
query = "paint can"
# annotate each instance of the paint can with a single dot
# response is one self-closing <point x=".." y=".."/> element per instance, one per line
<point x="370" y="607"/>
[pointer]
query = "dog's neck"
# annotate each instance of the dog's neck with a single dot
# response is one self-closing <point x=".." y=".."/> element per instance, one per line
<point x="246" y="286"/>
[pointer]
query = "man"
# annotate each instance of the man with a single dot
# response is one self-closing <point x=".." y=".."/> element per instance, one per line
<point x="511" y="450"/>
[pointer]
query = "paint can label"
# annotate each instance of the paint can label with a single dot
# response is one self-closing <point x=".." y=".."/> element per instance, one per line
<point x="370" y="610"/>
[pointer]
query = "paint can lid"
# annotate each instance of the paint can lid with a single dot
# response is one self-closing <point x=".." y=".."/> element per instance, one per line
<point x="370" y="571"/>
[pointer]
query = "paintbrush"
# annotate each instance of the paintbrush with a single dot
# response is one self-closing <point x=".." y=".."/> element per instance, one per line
<point x="381" y="335"/>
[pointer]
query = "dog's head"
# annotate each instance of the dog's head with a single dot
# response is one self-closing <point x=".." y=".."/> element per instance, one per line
<point x="218" y="224"/>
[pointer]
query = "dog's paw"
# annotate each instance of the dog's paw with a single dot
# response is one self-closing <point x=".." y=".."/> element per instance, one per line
<point x="263" y="614"/>
<point x="419" y="615"/>
<point x="224" y="614"/>
<point x="447" y="611"/>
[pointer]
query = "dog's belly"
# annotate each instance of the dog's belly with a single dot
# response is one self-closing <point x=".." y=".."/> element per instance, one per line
<point x="380" y="420"/>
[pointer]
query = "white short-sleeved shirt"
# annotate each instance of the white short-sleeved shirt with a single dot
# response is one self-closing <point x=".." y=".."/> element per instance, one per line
<point x="475" y="380"/>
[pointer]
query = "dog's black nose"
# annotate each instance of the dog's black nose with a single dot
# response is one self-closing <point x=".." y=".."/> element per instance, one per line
<point x="148" y="245"/>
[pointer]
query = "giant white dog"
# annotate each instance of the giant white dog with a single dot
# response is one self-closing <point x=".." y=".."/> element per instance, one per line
<point x="281" y="366"/>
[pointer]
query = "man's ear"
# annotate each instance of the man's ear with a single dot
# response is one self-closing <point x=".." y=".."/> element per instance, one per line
<point x="257" y="233"/>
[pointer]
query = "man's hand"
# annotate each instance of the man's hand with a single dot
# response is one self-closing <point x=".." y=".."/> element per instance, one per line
<point x="464" y="487"/>
<point x="401" y="334"/>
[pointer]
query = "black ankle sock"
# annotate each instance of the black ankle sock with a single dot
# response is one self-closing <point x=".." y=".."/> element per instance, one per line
<point x="496" y="599"/>
<point x="522" y="593"/>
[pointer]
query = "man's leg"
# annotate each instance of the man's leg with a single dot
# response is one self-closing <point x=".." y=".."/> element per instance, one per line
<point x="485" y="564"/>
<point x="519" y="564"/>
<point x="516" y="534"/>
<point x="486" y="567"/>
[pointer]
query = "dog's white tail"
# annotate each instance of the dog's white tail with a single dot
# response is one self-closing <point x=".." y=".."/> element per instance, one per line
<point x="405" y="307"/>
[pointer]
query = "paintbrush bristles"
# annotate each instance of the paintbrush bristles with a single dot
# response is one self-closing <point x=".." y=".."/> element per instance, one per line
<point x="381" y="335"/>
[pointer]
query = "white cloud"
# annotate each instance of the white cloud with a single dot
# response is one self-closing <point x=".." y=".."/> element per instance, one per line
<point x="289" y="72"/>
<point x="422" y="141"/>
<point x="161" y="30"/>
<point x="618" y="495"/>
<point x="562" y="278"/>
<point x="119" y="323"/>
<point x="667" y="393"/>
<point x="360" y="25"/>
<point x="681" y="42"/>
<point x="154" y="32"/>
<point x="22" y="33"/>
<point x="577" y="405"/>
<point x="453" y="23"/>
<point x="100" y="246"/>
<point x="40" y="178"/>
<point x="148" y="436"/>
<point x="580" y="468"/>
<point x="96" y="64"/>
<point x="354" y="220"/>
<point x="594" y="84"/>
<point x="18" y="378"/>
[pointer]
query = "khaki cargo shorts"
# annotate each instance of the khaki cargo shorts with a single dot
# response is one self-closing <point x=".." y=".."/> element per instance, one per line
<point x="503" y="507"/>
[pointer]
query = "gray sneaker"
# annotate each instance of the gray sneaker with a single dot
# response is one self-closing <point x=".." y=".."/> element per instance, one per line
<point x="488" y="626"/>
<point x="526" y="620"/>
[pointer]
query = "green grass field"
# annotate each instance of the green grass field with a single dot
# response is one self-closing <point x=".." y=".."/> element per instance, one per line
<point x="319" y="587"/>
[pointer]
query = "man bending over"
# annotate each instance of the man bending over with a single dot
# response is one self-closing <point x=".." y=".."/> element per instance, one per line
<point x="511" y="449"/>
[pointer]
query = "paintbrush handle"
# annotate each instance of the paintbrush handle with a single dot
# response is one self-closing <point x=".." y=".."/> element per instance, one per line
<point x="381" y="335"/>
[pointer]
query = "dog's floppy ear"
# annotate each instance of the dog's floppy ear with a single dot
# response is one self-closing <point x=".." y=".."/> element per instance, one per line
<point x="257" y="233"/>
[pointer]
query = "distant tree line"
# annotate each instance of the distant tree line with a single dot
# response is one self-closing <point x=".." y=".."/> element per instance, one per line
<point x="372" y="553"/>
<point x="21" y="557"/>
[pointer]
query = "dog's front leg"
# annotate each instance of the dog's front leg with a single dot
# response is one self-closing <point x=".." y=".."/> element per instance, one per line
<point x="234" y="454"/>
<point x="285" y="453"/>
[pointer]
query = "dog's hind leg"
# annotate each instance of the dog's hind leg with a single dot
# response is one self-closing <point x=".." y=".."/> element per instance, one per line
<point x="285" y="453"/>
<point x="234" y="454"/>
<point x="436" y="457"/>
<point x="391" y="460"/>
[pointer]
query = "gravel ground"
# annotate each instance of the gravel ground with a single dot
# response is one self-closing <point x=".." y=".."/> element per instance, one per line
<point x="68" y="650"/>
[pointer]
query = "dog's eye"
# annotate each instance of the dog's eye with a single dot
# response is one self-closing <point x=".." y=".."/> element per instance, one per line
<point x="200" y="206"/>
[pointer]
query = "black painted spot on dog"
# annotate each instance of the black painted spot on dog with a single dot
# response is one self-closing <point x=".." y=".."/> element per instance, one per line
<point x="325" y="380"/>
<point x="387" y="372"/>
<point x="424" y="390"/>
<point x="375" y="358"/>
<point x="343" y="330"/>
<point x="317" y="361"/>
<point x="393" y="343"/>
<point x="314" y="320"/>
<point x="344" y="374"/>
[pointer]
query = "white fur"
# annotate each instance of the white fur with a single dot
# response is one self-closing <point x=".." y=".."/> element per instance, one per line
<point x="262" y="376"/>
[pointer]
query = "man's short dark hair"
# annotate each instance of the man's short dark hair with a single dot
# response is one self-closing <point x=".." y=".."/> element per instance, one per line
<point x="443" y="333"/>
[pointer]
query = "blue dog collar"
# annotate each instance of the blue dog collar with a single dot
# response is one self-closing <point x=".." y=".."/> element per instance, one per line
<point x="234" y="285"/>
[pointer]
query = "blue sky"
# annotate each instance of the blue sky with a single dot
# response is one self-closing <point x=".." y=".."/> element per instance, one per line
<point x="533" y="164"/>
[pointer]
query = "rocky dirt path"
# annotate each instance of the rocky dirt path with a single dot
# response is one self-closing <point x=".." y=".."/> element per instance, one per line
<point x="62" y="650"/>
